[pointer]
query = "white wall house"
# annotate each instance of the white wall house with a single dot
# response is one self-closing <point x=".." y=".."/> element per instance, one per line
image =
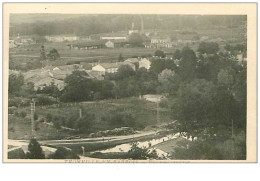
<point x="160" y="40"/>
<point x="113" y="37"/>
<point x="99" y="68"/>
<point x="110" y="67"/>
<point x="110" y="44"/>
<point x="61" y="38"/>
<point x="145" y="63"/>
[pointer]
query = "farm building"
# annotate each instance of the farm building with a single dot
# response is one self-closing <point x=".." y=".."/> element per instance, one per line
<point x="160" y="40"/>
<point x="113" y="36"/>
<point x="110" y="67"/>
<point x="115" y="43"/>
<point x="61" y="38"/>
<point x="88" y="45"/>
<point x="153" y="97"/>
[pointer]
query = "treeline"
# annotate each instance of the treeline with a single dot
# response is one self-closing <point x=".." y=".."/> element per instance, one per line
<point x="92" y="24"/>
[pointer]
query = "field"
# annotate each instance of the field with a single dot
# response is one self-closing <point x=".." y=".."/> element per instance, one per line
<point x="27" y="57"/>
<point x="144" y="112"/>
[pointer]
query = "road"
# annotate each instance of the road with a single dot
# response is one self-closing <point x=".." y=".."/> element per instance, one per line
<point x="85" y="140"/>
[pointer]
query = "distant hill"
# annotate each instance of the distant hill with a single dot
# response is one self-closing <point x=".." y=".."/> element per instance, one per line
<point x="51" y="24"/>
<point x="32" y="18"/>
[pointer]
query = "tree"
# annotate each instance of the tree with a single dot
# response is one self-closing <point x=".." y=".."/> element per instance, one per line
<point x="42" y="55"/>
<point x="157" y="66"/>
<point x="168" y="81"/>
<point x="78" y="87"/>
<point x="120" y="58"/>
<point x="63" y="153"/>
<point x="35" y="150"/>
<point x="188" y="64"/>
<point x="124" y="71"/>
<point x="106" y="89"/>
<point x="159" y="53"/>
<point x="194" y="106"/>
<point x="15" y="83"/>
<point x="209" y="67"/>
<point x="53" y="54"/>
<point x="177" y="54"/>
<point x="226" y="78"/>
<point x="51" y="90"/>
<point x="208" y="47"/>
<point x="136" y="40"/>
<point x="85" y="123"/>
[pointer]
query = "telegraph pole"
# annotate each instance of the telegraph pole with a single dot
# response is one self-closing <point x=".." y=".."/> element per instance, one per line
<point x="232" y="139"/>
<point x="158" y="113"/>
<point x="80" y="113"/>
<point x="32" y="116"/>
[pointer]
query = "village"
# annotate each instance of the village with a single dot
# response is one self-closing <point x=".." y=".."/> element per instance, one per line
<point x="100" y="95"/>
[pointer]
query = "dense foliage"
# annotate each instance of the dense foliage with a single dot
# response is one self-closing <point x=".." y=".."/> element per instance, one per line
<point x="34" y="150"/>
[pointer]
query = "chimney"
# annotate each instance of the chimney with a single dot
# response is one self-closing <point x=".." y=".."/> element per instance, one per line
<point x="80" y="113"/>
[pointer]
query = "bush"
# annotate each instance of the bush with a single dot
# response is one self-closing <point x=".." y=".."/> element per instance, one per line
<point x="159" y="53"/>
<point x="36" y="116"/>
<point x="20" y="114"/>
<point x="45" y="100"/>
<point x="49" y="118"/>
<point x="41" y="120"/>
<point x="35" y="150"/>
<point x="62" y="153"/>
<point x="137" y="153"/>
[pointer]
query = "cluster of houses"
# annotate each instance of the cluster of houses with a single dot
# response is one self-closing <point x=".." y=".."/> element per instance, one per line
<point x="20" y="41"/>
<point x="57" y="74"/>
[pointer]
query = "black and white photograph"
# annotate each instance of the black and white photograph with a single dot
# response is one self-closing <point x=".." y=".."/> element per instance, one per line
<point x="124" y="87"/>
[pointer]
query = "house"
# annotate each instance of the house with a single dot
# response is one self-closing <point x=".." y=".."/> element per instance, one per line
<point x="241" y="58"/>
<point x="132" y="60"/>
<point x="164" y="45"/>
<point x="47" y="82"/>
<point x="145" y="63"/>
<point x="153" y="97"/>
<point x="159" y="42"/>
<point x="149" y="45"/>
<point x="113" y="36"/>
<point x="115" y="43"/>
<point x="95" y="74"/>
<point x="88" y="45"/>
<point x="157" y="39"/>
<point x="61" y="72"/>
<point x="61" y="38"/>
<point x="12" y="44"/>
<point x="21" y="40"/>
<point x="104" y="68"/>
<point x="46" y="75"/>
<point x="133" y="31"/>
<point x="85" y="38"/>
